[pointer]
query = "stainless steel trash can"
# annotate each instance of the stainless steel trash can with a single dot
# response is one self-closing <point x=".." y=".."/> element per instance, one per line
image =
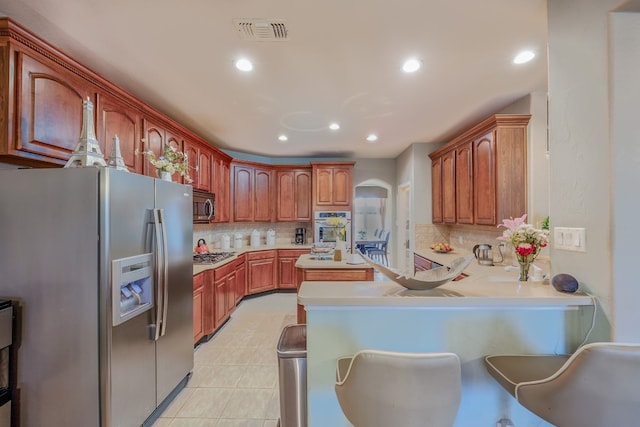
<point x="292" y="370"/>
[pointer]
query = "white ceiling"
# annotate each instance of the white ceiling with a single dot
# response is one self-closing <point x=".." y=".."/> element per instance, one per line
<point x="341" y="62"/>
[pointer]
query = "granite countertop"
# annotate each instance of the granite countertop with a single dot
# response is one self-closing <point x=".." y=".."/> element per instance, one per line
<point x="199" y="268"/>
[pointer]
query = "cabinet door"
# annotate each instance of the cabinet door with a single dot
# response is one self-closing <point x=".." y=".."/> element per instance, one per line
<point x="464" y="184"/>
<point x="324" y="186"/>
<point x="242" y="193"/>
<point x="485" y="180"/>
<point x="241" y="280"/>
<point x="50" y="110"/>
<point x="198" y="307"/>
<point x="449" y="187"/>
<point x="264" y="198"/>
<point x="261" y="275"/>
<point x="209" y="320"/>
<point x="220" y="300"/>
<point x="231" y="292"/>
<point x="302" y="195"/>
<point x="224" y="191"/>
<point x="204" y="171"/>
<point x="115" y="118"/>
<point x="285" y="204"/>
<point x="286" y="273"/>
<point x="342" y="188"/>
<point x="436" y="190"/>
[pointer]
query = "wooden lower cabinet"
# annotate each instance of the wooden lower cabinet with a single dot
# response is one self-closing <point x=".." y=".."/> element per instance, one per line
<point x="198" y="306"/>
<point x="261" y="271"/>
<point x="286" y="267"/>
<point x="241" y="277"/>
<point x="330" y="275"/>
<point x="225" y="292"/>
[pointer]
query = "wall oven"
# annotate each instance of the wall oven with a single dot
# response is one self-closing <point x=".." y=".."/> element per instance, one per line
<point x="203" y="207"/>
<point x="329" y="226"/>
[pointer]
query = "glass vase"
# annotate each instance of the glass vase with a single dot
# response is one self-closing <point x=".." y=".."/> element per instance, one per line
<point x="524" y="270"/>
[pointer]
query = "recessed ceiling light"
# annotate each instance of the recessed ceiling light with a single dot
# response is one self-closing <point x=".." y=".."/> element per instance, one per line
<point x="524" y="56"/>
<point x="283" y="138"/>
<point x="372" y="137"/>
<point x="411" y="65"/>
<point x="243" y="64"/>
<point x="334" y="126"/>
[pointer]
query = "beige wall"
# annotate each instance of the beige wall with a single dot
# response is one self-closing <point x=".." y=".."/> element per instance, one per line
<point x="594" y="154"/>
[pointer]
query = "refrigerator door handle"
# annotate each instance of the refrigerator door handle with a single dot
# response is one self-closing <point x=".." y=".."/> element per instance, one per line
<point x="159" y="276"/>
<point x="165" y="273"/>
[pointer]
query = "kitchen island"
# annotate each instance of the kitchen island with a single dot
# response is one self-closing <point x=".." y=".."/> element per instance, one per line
<point x="489" y="312"/>
<point x="312" y="268"/>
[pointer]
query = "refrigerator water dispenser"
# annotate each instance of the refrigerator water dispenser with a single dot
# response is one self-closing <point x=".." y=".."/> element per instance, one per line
<point x="132" y="285"/>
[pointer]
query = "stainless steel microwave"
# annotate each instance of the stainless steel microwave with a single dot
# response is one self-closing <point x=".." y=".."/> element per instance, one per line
<point x="203" y="207"/>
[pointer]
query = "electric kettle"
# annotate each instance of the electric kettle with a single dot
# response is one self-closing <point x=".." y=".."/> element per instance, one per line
<point x="484" y="254"/>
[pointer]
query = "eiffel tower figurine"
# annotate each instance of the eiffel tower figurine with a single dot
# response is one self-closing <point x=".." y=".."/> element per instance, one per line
<point x="115" y="159"/>
<point x="87" y="152"/>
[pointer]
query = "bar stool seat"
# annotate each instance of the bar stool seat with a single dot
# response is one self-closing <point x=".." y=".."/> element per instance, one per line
<point x="382" y="388"/>
<point x="598" y="385"/>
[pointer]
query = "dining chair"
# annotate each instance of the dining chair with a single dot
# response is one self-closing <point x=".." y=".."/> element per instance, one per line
<point x="598" y="385"/>
<point x="378" y="388"/>
<point x="378" y="252"/>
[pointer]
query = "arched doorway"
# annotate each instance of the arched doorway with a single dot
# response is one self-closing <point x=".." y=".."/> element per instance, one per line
<point x="372" y="211"/>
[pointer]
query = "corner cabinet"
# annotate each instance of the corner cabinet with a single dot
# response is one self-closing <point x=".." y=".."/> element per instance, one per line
<point x="252" y="192"/>
<point x="480" y="177"/>
<point x="332" y="185"/>
<point x="293" y="194"/>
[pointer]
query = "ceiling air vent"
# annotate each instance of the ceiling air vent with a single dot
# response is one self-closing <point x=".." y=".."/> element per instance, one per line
<point x="262" y="29"/>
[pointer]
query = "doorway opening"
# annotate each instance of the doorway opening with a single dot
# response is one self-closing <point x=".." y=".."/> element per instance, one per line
<point x="372" y="220"/>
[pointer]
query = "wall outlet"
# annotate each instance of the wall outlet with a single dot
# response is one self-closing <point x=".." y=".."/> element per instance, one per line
<point x="570" y="239"/>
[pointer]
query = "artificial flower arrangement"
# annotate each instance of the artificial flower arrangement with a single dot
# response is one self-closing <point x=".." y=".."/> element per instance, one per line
<point x="171" y="161"/>
<point x="526" y="240"/>
<point x="340" y="223"/>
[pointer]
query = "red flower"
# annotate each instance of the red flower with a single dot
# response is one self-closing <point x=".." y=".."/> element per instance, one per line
<point x="525" y="249"/>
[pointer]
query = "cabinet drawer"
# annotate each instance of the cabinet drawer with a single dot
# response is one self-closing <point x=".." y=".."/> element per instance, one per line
<point x="198" y="281"/>
<point x="261" y="255"/>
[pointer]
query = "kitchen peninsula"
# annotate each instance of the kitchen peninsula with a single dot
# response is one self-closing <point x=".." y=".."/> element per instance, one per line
<point x="489" y="312"/>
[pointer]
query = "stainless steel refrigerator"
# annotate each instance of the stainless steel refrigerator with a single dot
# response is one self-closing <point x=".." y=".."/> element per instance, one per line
<point x="100" y="262"/>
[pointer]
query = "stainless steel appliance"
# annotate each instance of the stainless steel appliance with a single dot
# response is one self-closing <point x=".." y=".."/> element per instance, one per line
<point x="203" y="207"/>
<point x="301" y="236"/>
<point x="6" y="340"/>
<point x="332" y="226"/>
<point x="100" y="261"/>
<point x="484" y="254"/>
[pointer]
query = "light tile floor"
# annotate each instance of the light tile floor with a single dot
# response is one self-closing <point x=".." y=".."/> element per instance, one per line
<point x="235" y="375"/>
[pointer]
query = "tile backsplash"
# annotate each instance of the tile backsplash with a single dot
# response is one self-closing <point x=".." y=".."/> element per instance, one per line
<point x="212" y="233"/>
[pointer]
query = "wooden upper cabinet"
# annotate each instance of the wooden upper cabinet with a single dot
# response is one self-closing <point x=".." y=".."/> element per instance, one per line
<point x="153" y="140"/>
<point x="205" y="159"/>
<point x="483" y="172"/>
<point x="264" y="197"/>
<point x="242" y="183"/>
<point x="449" y="188"/>
<point x="116" y="118"/>
<point x="332" y="185"/>
<point x="464" y="184"/>
<point x="436" y="188"/>
<point x="50" y="110"/>
<point x="485" y="180"/>
<point x="253" y="192"/>
<point x="193" y="158"/>
<point x="293" y="201"/>
<point x="220" y="176"/>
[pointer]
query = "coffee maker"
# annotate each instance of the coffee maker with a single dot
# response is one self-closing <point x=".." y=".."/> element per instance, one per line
<point x="301" y="236"/>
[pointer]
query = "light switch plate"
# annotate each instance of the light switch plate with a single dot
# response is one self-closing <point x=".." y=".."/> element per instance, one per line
<point x="570" y="239"/>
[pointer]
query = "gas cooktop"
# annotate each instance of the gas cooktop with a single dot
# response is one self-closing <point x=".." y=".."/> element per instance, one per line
<point x="211" y="257"/>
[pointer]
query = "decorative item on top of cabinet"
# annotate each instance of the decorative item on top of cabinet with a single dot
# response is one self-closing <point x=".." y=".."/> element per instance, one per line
<point x="332" y="185"/>
<point x="293" y="193"/>
<point x="497" y="187"/>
